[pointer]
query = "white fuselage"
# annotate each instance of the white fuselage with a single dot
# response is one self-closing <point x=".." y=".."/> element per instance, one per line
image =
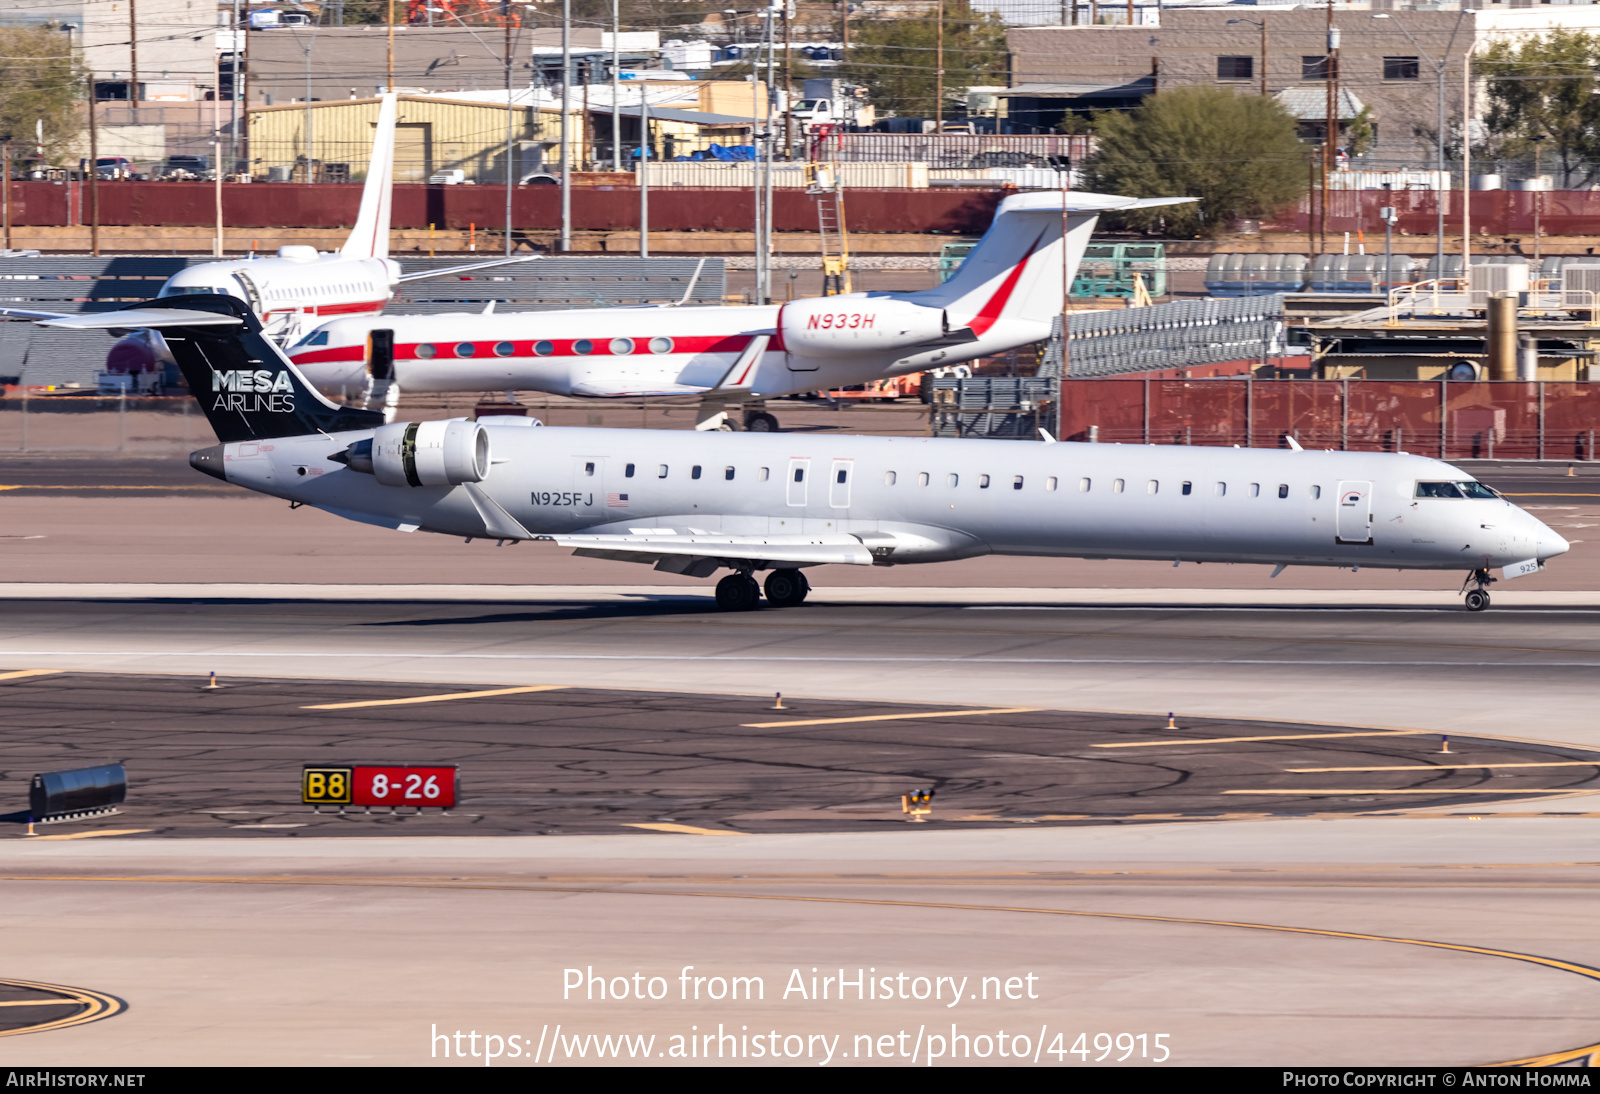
<point x="926" y="500"/>
<point x="293" y="294"/>
<point x="617" y="352"/>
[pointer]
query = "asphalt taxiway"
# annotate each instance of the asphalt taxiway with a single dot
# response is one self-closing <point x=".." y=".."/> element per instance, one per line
<point x="1358" y="926"/>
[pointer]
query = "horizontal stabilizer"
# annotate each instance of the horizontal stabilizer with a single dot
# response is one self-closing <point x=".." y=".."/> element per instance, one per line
<point x="144" y="317"/>
<point x="798" y="550"/>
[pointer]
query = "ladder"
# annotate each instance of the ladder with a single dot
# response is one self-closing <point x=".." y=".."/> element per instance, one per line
<point x="825" y="184"/>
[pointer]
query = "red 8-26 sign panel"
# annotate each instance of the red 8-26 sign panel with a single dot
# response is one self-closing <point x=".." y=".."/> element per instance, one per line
<point x="427" y="787"/>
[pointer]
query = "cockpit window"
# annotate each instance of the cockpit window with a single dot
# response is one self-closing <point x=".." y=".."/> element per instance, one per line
<point x="315" y="338"/>
<point x="192" y="290"/>
<point x="1437" y="490"/>
<point x="1477" y="490"/>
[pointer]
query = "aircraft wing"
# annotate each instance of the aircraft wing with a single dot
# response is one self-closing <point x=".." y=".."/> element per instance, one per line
<point x="589" y="389"/>
<point x="26" y="313"/>
<point x="681" y="553"/>
<point x="453" y="270"/>
<point x="131" y="318"/>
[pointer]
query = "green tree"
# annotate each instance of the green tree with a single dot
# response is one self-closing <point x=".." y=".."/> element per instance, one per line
<point x="1237" y="153"/>
<point x="894" y="57"/>
<point x="1545" y="90"/>
<point x="42" y="80"/>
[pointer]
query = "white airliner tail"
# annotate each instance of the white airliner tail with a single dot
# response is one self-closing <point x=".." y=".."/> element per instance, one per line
<point x="370" y="238"/>
<point x="1021" y="267"/>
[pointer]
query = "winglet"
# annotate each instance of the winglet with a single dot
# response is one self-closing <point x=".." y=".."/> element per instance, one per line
<point x="1294" y="444"/>
<point x="1044" y="435"/>
<point x="370" y="237"/>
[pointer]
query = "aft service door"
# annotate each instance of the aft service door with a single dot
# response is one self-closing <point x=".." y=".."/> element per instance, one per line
<point x="1353" y="522"/>
<point x="380" y="354"/>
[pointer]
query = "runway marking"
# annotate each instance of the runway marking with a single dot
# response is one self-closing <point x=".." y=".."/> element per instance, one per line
<point x="1415" y="790"/>
<point x="1445" y="767"/>
<point x="93" y="486"/>
<point x="97" y="1005"/>
<point x="1588" y="972"/>
<point x="325" y="655"/>
<point x="1267" y="737"/>
<point x="889" y="717"/>
<point x="92" y="835"/>
<point x="687" y="829"/>
<point x="434" y="698"/>
<point x="18" y="674"/>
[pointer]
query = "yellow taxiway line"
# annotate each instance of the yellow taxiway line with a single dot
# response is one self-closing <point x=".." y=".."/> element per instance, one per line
<point x="1414" y="790"/>
<point x="434" y="698"/>
<point x="93" y="834"/>
<point x="1445" y="767"/>
<point x="888" y="717"/>
<point x="687" y="829"/>
<point x="97" y="1006"/>
<point x="18" y="674"/>
<point x="1274" y="737"/>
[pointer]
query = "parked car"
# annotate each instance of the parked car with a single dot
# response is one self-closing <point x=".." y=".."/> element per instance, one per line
<point x="112" y="167"/>
<point x="186" y="169"/>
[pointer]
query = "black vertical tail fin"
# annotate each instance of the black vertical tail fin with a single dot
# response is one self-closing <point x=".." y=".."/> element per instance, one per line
<point x="248" y="389"/>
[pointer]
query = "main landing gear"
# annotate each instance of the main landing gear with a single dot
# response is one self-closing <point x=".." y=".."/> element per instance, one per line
<point x="1478" y="597"/>
<point x="740" y="593"/>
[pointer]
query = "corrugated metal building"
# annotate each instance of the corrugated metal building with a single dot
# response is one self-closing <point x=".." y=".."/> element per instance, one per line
<point x="436" y="135"/>
<point x="433" y="136"/>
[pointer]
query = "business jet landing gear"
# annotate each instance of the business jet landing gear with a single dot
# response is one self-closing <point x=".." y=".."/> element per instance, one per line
<point x="787" y="588"/>
<point x="1478" y="598"/>
<point x="759" y="421"/>
<point x="738" y="593"/>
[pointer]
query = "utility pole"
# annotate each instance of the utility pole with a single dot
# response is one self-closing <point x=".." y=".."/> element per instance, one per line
<point x="566" y="144"/>
<point x="133" y="56"/>
<point x="94" y="178"/>
<point x="788" y="85"/>
<point x="391" y="45"/>
<point x="1330" y="141"/>
<point x="511" y="117"/>
<point x="644" y="173"/>
<point x="233" y="96"/>
<point x="616" y="78"/>
<point x="938" y="71"/>
<point x="1263" y="56"/>
<point x="1466" y="166"/>
<point x="5" y="195"/>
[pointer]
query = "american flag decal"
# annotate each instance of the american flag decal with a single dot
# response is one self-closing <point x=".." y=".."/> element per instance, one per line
<point x="617" y="501"/>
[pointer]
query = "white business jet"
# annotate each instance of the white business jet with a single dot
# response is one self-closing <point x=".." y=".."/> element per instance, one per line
<point x="301" y="286"/>
<point x="1003" y="296"/>
<point x="696" y="502"/>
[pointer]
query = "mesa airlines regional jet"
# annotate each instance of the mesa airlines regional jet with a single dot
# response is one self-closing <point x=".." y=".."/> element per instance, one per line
<point x="1004" y="295"/>
<point x="698" y="502"/>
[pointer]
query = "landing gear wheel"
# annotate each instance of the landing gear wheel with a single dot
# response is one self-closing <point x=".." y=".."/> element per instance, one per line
<point x="786" y="588"/>
<point x="738" y="593"/>
<point x="760" y="422"/>
<point x="1477" y="600"/>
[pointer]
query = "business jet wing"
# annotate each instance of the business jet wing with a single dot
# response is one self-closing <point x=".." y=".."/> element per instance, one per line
<point x="453" y="270"/>
<point x="130" y="318"/>
<point x="676" y="553"/>
<point x="26" y="313"/>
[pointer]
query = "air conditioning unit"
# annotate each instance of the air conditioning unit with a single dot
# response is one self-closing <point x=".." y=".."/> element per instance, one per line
<point x="1580" y="287"/>
<point x="1494" y="279"/>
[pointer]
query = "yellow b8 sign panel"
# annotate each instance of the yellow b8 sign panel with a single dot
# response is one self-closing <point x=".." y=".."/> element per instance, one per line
<point x="325" y="786"/>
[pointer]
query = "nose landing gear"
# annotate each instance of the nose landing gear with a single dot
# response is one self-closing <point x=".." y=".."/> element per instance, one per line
<point x="1477" y="597"/>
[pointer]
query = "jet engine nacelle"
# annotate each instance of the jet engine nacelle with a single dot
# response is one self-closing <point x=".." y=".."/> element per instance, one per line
<point x="839" y="326"/>
<point x="430" y="453"/>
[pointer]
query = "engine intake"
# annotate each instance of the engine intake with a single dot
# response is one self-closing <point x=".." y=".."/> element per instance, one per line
<point x="423" y="454"/>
